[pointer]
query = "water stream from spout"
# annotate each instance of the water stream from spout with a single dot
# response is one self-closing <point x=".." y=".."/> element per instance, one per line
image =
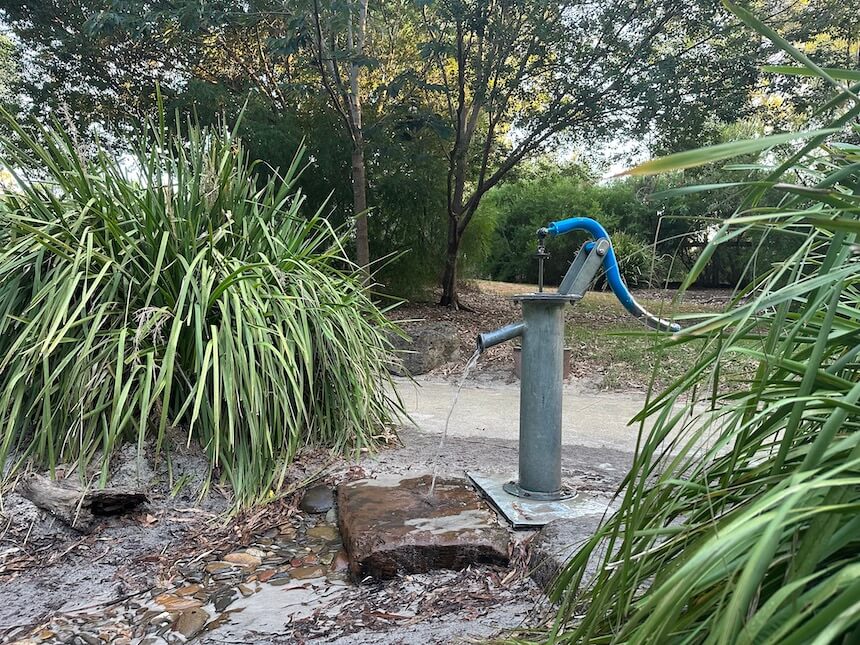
<point x="469" y="365"/>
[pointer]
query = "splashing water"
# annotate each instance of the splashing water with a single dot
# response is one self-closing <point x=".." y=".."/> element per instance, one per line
<point x="472" y="362"/>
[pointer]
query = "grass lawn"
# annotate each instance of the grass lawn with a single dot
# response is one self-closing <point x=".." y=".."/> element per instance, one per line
<point x="621" y="350"/>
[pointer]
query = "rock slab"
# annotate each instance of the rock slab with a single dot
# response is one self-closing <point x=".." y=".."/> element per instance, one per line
<point x="557" y="543"/>
<point x="428" y="346"/>
<point x="391" y="526"/>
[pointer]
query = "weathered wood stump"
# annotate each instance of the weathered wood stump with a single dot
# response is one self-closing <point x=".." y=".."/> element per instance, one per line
<point x="79" y="509"/>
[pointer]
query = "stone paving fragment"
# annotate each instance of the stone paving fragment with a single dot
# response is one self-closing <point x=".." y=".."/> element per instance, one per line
<point x="327" y="533"/>
<point x="191" y="622"/>
<point x="302" y="573"/>
<point x="242" y="558"/>
<point x="392" y="526"/>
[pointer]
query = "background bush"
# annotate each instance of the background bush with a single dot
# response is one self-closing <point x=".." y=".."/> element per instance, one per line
<point x="519" y="208"/>
<point x="179" y="296"/>
<point x="637" y="212"/>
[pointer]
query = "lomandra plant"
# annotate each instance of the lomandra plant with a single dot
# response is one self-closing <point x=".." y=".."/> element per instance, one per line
<point x="178" y="297"/>
<point x="740" y="519"/>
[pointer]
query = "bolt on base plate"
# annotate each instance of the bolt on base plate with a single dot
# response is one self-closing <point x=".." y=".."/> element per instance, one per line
<point x="532" y="513"/>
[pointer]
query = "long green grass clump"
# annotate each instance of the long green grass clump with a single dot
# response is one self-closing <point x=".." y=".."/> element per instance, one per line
<point x="739" y="522"/>
<point x="177" y="297"/>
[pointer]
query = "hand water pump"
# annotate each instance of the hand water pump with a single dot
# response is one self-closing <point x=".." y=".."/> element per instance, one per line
<point x="537" y="496"/>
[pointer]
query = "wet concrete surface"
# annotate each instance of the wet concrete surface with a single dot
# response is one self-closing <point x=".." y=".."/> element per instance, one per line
<point x="591" y="419"/>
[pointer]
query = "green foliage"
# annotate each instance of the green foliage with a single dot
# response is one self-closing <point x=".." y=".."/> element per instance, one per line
<point x="638" y="263"/>
<point x="534" y="68"/>
<point x="662" y="210"/>
<point x="738" y="521"/>
<point x="273" y="137"/>
<point x="179" y="297"/>
<point x="752" y="534"/>
<point x="520" y="208"/>
<point x="9" y="72"/>
<point x="407" y="189"/>
<point x="406" y="181"/>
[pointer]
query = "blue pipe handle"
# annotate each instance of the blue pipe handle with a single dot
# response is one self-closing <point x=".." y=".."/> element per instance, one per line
<point x="613" y="275"/>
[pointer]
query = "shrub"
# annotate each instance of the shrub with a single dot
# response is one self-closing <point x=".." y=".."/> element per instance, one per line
<point x="179" y="294"/>
<point x="639" y="265"/>
<point x="518" y="209"/>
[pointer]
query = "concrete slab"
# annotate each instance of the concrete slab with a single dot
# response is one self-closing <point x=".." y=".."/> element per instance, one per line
<point x="525" y="513"/>
<point x="557" y="543"/>
<point x="391" y="525"/>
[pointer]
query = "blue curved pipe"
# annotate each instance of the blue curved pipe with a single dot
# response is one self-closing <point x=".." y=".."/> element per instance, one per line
<point x="610" y="266"/>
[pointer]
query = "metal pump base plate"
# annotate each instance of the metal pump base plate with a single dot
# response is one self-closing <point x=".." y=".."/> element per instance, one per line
<point x="514" y="488"/>
<point x="524" y="513"/>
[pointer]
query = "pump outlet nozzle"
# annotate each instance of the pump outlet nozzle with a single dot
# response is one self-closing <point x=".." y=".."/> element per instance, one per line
<point x="490" y="338"/>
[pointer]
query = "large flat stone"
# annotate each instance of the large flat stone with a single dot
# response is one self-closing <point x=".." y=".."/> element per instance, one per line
<point x="391" y="526"/>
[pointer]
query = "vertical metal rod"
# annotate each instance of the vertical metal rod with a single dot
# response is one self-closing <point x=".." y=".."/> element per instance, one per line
<point x="541" y="395"/>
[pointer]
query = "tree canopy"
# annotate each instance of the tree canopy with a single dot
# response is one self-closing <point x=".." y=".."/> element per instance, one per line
<point x="414" y="110"/>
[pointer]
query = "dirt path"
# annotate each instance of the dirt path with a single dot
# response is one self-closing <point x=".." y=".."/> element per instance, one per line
<point x="590" y="418"/>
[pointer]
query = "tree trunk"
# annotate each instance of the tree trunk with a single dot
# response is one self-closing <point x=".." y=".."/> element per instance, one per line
<point x="355" y="38"/>
<point x="359" y="203"/>
<point x="449" y="277"/>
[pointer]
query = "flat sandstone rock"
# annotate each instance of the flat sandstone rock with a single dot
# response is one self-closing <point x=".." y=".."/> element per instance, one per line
<point x="392" y="526"/>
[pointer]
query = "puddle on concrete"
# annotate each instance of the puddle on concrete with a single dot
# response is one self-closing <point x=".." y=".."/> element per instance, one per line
<point x="287" y="573"/>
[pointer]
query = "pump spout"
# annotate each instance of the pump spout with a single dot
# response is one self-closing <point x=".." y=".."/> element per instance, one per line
<point x="490" y="338"/>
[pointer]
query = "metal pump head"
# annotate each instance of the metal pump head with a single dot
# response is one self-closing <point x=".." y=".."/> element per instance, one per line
<point x="603" y="247"/>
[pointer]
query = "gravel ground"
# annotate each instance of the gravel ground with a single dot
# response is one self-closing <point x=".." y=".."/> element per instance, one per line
<point x="130" y="580"/>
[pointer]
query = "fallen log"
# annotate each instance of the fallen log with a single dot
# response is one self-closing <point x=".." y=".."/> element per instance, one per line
<point x="79" y="509"/>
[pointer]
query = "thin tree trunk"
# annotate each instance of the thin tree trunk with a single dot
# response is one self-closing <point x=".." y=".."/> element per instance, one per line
<point x="359" y="203"/>
<point x="449" y="277"/>
<point x="356" y="34"/>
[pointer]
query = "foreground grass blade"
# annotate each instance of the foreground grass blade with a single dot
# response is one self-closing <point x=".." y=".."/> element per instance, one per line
<point x="739" y="519"/>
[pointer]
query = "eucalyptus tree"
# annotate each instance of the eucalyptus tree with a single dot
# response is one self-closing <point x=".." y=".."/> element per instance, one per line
<point x="365" y="58"/>
<point x="352" y="54"/>
<point x="517" y="76"/>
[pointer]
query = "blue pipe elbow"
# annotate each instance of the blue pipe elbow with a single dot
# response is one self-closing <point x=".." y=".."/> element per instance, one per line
<point x="610" y="266"/>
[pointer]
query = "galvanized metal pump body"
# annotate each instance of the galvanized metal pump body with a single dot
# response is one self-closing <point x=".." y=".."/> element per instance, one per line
<point x="541" y="380"/>
<point x="541" y="383"/>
